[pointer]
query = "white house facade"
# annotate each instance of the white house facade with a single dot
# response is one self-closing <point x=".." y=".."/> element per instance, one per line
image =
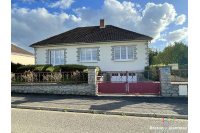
<point x="110" y="56"/>
<point x="109" y="47"/>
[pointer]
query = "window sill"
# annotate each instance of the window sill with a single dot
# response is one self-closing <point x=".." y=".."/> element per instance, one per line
<point x="88" y="61"/>
<point x="124" y="60"/>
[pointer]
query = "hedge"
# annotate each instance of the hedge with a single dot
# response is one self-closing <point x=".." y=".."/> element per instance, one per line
<point x="41" y="68"/>
<point x="53" y="69"/>
<point x="35" y="68"/>
<point x="26" y="68"/>
<point x="72" y="67"/>
<point x="57" y="68"/>
<point x="183" y="66"/>
<point x="15" y="66"/>
<point x="69" y="68"/>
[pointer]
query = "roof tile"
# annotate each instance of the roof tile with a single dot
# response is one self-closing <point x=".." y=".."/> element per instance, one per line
<point x="92" y="34"/>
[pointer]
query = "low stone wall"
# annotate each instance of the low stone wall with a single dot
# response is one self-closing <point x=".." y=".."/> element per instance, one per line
<point x="173" y="91"/>
<point x="89" y="88"/>
<point x="169" y="89"/>
<point x="77" y="89"/>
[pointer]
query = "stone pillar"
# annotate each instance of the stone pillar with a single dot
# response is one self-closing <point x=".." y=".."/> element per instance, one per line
<point x="165" y="80"/>
<point x="92" y="77"/>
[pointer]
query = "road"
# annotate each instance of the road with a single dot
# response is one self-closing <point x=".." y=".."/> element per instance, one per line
<point x="40" y="121"/>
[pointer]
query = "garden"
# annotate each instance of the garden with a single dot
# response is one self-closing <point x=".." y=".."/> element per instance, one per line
<point x="49" y="74"/>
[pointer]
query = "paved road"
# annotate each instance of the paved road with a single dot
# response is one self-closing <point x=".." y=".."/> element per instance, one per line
<point x="34" y="121"/>
<point x="156" y="105"/>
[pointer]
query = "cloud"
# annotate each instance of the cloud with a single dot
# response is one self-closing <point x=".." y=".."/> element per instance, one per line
<point x="138" y="5"/>
<point x="163" y="37"/>
<point x="155" y="19"/>
<point x="178" y="35"/>
<point x="180" y="19"/>
<point x="63" y="4"/>
<point x="33" y="25"/>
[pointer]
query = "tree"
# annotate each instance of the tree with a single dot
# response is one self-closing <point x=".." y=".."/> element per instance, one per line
<point x="152" y="53"/>
<point x="177" y="53"/>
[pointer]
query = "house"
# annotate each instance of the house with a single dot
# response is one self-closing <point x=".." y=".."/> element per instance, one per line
<point x="19" y="55"/>
<point x="109" y="47"/>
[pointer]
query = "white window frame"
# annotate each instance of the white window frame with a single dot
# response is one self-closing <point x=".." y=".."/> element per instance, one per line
<point x="91" y="59"/>
<point x="54" y="62"/>
<point x="126" y="53"/>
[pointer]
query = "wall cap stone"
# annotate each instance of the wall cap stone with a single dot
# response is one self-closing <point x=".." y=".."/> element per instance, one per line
<point x="49" y="84"/>
<point x="164" y="66"/>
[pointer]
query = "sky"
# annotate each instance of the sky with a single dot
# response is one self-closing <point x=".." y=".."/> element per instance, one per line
<point x="166" y="21"/>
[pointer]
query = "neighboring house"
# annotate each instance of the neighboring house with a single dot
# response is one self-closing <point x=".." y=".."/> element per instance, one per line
<point x="19" y="55"/>
<point x="109" y="47"/>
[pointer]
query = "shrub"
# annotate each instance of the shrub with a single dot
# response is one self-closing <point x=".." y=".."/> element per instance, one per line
<point x="15" y="66"/>
<point x="72" y="67"/>
<point x="56" y="77"/>
<point x="152" y="75"/>
<point x="34" y="68"/>
<point x="41" y="68"/>
<point x="53" y="69"/>
<point x="49" y="69"/>
<point x="183" y="66"/>
<point x="26" y="68"/>
<point x="29" y="76"/>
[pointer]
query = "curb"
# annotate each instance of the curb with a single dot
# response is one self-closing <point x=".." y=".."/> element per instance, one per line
<point x="121" y="113"/>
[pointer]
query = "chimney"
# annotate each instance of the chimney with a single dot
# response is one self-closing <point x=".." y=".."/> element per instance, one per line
<point x="102" y="23"/>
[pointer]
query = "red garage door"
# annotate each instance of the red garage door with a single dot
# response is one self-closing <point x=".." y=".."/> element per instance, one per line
<point x="125" y="82"/>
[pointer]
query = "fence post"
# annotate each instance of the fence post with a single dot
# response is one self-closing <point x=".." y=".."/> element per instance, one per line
<point x="92" y="77"/>
<point x="165" y="80"/>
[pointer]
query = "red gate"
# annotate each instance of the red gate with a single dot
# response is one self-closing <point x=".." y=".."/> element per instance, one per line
<point x="126" y="82"/>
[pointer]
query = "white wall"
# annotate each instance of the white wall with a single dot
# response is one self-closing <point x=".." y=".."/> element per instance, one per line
<point x="105" y="63"/>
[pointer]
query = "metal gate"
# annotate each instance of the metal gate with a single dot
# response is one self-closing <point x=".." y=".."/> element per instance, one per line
<point x="129" y="82"/>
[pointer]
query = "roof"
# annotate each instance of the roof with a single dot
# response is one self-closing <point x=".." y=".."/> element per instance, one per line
<point x="16" y="49"/>
<point x="91" y="35"/>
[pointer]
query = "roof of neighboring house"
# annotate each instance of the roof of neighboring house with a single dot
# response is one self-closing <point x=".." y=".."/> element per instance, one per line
<point x="92" y="34"/>
<point x="16" y="49"/>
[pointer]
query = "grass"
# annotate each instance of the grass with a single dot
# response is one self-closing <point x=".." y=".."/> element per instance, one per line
<point x="123" y="114"/>
<point x="65" y="110"/>
<point x="95" y="112"/>
<point x="38" y="108"/>
<point x="171" y="118"/>
<point x="158" y="116"/>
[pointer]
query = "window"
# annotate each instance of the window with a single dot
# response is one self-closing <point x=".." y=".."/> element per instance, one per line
<point x="88" y="54"/>
<point x="124" y="53"/>
<point x="57" y="57"/>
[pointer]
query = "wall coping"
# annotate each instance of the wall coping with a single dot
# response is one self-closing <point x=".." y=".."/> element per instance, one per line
<point x="49" y="84"/>
<point x="179" y="83"/>
<point x="164" y="66"/>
